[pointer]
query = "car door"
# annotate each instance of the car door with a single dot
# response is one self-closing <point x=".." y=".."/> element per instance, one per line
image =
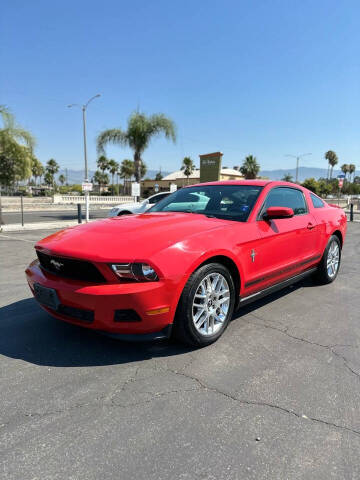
<point x="287" y="245"/>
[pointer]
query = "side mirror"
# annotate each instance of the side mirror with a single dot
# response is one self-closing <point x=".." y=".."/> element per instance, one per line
<point x="278" y="212"/>
<point x="146" y="202"/>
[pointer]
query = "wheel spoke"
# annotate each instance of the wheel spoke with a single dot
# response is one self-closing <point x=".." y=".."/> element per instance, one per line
<point x="215" y="282"/>
<point x="212" y="323"/>
<point x="201" y="321"/>
<point x="198" y="314"/>
<point x="222" y="300"/>
<point x="200" y="295"/>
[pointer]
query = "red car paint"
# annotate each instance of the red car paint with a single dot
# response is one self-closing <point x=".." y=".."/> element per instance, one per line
<point x="175" y="244"/>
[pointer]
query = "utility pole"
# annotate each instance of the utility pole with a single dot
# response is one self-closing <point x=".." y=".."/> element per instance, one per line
<point x="83" y="108"/>
<point x="298" y="157"/>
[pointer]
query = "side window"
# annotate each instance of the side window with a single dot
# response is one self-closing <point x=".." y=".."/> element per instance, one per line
<point x="286" y="197"/>
<point x="316" y="201"/>
<point x="157" y="198"/>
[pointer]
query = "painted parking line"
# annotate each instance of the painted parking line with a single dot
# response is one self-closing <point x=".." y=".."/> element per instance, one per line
<point x="8" y="237"/>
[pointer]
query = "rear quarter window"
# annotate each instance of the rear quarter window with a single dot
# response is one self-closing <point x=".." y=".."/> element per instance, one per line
<point x="316" y="201"/>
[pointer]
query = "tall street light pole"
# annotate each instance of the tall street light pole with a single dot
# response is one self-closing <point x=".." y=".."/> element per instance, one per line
<point x="298" y="157"/>
<point x="83" y="108"/>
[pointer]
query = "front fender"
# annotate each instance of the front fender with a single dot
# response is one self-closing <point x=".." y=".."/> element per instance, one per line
<point x="179" y="261"/>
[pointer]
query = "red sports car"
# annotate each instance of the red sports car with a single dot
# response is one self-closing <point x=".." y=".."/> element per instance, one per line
<point x="184" y="266"/>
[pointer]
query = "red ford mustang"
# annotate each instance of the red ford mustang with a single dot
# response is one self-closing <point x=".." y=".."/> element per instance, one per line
<point x="185" y="265"/>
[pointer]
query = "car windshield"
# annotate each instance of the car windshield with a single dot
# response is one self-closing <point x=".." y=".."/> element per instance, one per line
<point x="228" y="202"/>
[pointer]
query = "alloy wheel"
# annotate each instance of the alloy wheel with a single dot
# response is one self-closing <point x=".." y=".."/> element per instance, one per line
<point x="211" y="304"/>
<point x="333" y="259"/>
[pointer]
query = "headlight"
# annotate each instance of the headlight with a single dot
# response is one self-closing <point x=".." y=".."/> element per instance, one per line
<point x="135" y="271"/>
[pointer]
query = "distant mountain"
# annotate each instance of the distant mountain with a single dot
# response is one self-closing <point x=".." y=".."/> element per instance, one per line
<point x="77" y="176"/>
<point x="304" y="172"/>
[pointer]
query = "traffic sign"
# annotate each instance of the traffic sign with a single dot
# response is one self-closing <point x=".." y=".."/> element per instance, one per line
<point x="341" y="182"/>
<point x="156" y="187"/>
<point x="86" y="187"/>
<point x="173" y="187"/>
<point x="135" y="189"/>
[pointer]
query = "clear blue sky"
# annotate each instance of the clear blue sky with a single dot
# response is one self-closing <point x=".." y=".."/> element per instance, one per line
<point x="260" y="77"/>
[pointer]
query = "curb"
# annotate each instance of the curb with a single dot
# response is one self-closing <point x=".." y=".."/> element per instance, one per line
<point x="17" y="227"/>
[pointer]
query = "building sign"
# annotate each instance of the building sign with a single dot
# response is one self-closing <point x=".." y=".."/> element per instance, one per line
<point x="135" y="189"/>
<point x="210" y="167"/>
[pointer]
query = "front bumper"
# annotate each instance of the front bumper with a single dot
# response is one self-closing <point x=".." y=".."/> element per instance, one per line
<point x="150" y="301"/>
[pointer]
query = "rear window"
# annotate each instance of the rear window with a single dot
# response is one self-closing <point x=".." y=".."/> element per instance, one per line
<point x="316" y="201"/>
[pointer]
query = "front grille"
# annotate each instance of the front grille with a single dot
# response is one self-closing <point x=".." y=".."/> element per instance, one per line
<point x="69" y="268"/>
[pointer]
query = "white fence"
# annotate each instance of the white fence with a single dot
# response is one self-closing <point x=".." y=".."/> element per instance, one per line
<point x="73" y="199"/>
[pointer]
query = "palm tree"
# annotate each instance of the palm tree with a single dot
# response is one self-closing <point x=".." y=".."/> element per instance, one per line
<point x="140" y="130"/>
<point x="62" y="179"/>
<point x="37" y="168"/>
<point x="250" y="168"/>
<point x="52" y="167"/>
<point x="143" y="170"/>
<point x="101" y="178"/>
<point x="345" y="169"/>
<point x="332" y="158"/>
<point x="102" y="163"/>
<point x="352" y="169"/>
<point x="113" y="168"/>
<point x="16" y="146"/>
<point x="13" y="131"/>
<point x="187" y="167"/>
<point x="127" y="170"/>
<point x="159" y="176"/>
<point x="287" y="178"/>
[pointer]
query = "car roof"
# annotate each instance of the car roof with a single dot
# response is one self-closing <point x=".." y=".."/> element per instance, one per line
<point x="256" y="183"/>
<point x="158" y="193"/>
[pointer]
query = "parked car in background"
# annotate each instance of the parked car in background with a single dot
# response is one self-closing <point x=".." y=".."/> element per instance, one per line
<point x="182" y="267"/>
<point x="137" y="207"/>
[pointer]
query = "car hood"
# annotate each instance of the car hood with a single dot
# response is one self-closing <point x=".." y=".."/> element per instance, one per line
<point x="127" y="238"/>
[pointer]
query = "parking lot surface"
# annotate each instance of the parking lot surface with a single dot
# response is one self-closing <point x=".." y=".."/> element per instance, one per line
<point x="277" y="397"/>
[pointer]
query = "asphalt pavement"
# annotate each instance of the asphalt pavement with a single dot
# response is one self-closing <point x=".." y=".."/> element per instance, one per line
<point x="277" y="397"/>
<point x="50" y="215"/>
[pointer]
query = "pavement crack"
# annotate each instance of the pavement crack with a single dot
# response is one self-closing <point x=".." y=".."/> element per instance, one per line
<point x="288" y="411"/>
<point x="330" y="348"/>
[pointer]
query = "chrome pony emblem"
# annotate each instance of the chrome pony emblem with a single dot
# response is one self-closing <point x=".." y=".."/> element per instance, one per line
<point x="56" y="264"/>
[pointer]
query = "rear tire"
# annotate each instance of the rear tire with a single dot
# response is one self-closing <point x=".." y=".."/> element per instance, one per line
<point x="330" y="263"/>
<point x="205" y="307"/>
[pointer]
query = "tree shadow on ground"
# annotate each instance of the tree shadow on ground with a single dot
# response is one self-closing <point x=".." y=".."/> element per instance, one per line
<point x="29" y="333"/>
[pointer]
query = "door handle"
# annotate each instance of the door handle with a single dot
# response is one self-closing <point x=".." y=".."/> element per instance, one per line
<point x="310" y="226"/>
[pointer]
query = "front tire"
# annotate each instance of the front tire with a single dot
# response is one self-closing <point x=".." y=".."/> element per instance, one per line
<point x="330" y="262"/>
<point x="206" y="306"/>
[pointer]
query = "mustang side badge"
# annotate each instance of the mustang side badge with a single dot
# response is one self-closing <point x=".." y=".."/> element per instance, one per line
<point x="252" y="255"/>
